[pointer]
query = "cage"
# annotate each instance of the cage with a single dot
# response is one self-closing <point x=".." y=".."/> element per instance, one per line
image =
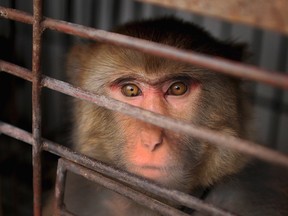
<point x="33" y="107"/>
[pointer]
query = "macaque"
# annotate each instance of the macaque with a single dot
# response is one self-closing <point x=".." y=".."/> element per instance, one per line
<point x="170" y="88"/>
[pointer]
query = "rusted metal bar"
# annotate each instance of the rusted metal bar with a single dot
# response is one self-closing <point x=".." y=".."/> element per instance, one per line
<point x="64" y="212"/>
<point x="16" y="15"/>
<point x="208" y="135"/>
<point x="202" y="133"/>
<point x="16" y="133"/>
<point x="36" y="107"/>
<point x="16" y="70"/>
<point x="59" y="188"/>
<point x="155" y="49"/>
<point x="213" y="63"/>
<point x="117" y="187"/>
<point x="172" y="195"/>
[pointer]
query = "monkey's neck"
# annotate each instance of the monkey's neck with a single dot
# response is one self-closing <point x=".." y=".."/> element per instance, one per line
<point x="200" y="193"/>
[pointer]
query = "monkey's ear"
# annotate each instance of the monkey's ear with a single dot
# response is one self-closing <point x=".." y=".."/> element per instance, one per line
<point x="75" y="63"/>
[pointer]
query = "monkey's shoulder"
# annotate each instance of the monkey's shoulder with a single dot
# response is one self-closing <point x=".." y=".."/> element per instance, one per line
<point x="260" y="189"/>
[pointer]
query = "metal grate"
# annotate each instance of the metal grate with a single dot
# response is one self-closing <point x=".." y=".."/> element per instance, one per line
<point x="72" y="160"/>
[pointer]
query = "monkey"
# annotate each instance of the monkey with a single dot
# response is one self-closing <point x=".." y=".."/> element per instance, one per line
<point x="175" y="89"/>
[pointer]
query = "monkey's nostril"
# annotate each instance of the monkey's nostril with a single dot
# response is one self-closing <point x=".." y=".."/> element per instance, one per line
<point x="153" y="144"/>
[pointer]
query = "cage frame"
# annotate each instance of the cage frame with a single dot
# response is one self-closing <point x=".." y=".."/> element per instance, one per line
<point x="79" y="163"/>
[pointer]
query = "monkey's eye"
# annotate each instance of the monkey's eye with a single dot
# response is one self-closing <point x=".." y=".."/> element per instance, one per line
<point x="130" y="90"/>
<point x="177" y="89"/>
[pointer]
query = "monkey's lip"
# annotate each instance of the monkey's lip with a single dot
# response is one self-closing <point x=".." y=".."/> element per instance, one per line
<point x="150" y="171"/>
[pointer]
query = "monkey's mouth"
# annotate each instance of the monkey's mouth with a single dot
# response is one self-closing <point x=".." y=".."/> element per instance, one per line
<point x="150" y="171"/>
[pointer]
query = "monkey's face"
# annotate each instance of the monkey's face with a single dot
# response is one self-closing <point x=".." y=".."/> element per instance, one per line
<point x="151" y="151"/>
<point x="168" y="88"/>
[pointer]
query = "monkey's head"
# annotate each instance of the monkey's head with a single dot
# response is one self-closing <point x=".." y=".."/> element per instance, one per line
<point x="178" y="90"/>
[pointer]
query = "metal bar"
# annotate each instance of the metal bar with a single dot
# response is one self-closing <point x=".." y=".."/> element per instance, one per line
<point x="16" y="15"/>
<point x="27" y="75"/>
<point x="16" y="70"/>
<point x="172" y="195"/>
<point x="216" y="64"/>
<point x="208" y="135"/>
<point x="117" y="187"/>
<point x="202" y="133"/>
<point x="16" y="133"/>
<point x="36" y="106"/>
<point x="59" y="188"/>
<point x="64" y="212"/>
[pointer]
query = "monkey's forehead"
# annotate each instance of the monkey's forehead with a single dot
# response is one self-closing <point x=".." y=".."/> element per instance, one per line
<point x="134" y="64"/>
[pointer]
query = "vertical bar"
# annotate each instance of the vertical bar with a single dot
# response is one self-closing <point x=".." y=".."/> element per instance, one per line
<point x="36" y="106"/>
<point x="59" y="187"/>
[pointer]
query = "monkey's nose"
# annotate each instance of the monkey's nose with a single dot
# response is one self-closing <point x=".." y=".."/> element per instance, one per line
<point x="152" y="137"/>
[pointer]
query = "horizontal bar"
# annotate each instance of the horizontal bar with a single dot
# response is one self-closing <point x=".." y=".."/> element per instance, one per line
<point x="216" y="64"/>
<point x="120" y="188"/>
<point x="16" y="15"/>
<point x="16" y="133"/>
<point x="205" y="134"/>
<point x="202" y="133"/>
<point x="62" y="151"/>
<point x="15" y="70"/>
<point x="64" y="212"/>
<point x="211" y="136"/>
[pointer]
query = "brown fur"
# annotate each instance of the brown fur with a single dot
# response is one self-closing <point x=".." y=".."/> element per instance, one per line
<point x="218" y="104"/>
<point x="221" y="107"/>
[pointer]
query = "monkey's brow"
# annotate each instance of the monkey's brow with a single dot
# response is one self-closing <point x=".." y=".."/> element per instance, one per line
<point x="123" y="79"/>
<point x="153" y="81"/>
<point x="172" y="77"/>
